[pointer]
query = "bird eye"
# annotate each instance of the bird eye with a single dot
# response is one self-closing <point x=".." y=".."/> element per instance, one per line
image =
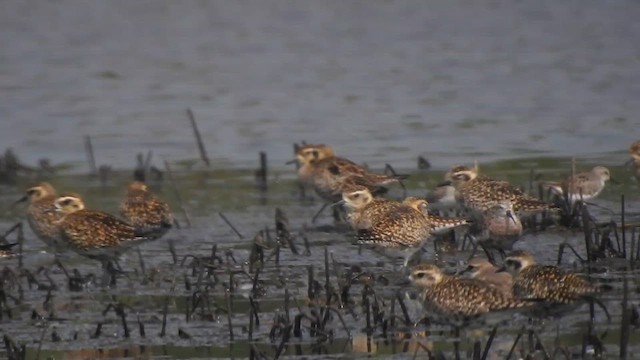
<point x="355" y="196"/>
<point x="420" y="275"/>
<point x="315" y="153"/>
<point x="66" y="202"/>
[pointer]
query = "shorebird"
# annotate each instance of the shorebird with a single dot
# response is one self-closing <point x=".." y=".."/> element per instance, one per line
<point x="480" y="193"/>
<point x="634" y="151"/>
<point x="437" y="224"/>
<point x="326" y="172"/>
<point x="389" y="225"/>
<point x="545" y="282"/>
<point x="502" y="227"/>
<point x="582" y="186"/>
<point x="483" y="270"/>
<point x="456" y="300"/>
<point x="145" y="211"/>
<point x="95" y="234"/>
<point x="43" y="222"/>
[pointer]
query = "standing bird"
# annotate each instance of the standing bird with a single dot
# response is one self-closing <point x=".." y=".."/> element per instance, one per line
<point x="437" y="224"/>
<point x="43" y="221"/>
<point x="582" y="186"/>
<point x="391" y="225"/>
<point x="329" y="175"/>
<point x="142" y="209"/>
<point x="483" y="270"/>
<point x="502" y="227"/>
<point x="480" y="193"/>
<point x="545" y="282"/>
<point x="95" y="234"/>
<point x="634" y="151"/>
<point x="456" y="300"/>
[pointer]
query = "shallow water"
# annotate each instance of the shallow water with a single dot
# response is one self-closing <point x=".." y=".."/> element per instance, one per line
<point x="384" y="81"/>
<point x="75" y="315"/>
<point x="516" y="86"/>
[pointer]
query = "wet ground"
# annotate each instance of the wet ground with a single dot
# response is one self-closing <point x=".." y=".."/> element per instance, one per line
<point x="516" y="85"/>
<point x="42" y="312"/>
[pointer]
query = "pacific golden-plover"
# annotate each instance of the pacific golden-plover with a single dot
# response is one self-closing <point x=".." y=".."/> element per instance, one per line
<point x="457" y="300"/>
<point x="94" y="234"/>
<point x="481" y="269"/>
<point x="43" y="221"/>
<point x="326" y="172"/>
<point x="146" y="212"/>
<point x="392" y="224"/>
<point x="545" y="282"/>
<point x="480" y="192"/>
<point x="581" y="186"/>
<point x="437" y="224"/>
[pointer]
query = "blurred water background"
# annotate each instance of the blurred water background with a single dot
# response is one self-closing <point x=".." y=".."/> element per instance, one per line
<point x="383" y="81"/>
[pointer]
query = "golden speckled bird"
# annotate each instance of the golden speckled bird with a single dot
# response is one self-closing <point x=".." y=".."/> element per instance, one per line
<point x="392" y="224"/>
<point x="143" y="210"/>
<point x="581" y="186"/>
<point x="483" y="270"/>
<point x="634" y="151"/>
<point x="454" y="299"/>
<point x="43" y="221"/>
<point x="94" y="234"/>
<point x="545" y="282"/>
<point x="479" y="192"/>
<point x="326" y="172"/>
<point x="437" y="224"/>
<point x="502" y="227"/>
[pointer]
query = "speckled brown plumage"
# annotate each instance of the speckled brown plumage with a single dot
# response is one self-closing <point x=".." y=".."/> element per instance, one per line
<point x="437" y="224"/>
<point x="145" y="211"/>
<point x="392" y="224"/>
<point x="456" y="299"/>
<point x="483" y="270"/>
<point x="545" y="282"/>
<point x="479" y="192"/>
<point x="94" y="234"/>
<point x="43" y="221"/>
<point x="321" y="169"/>
<point x="502" y="227"/>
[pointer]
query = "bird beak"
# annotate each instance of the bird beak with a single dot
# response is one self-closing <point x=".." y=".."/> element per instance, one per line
<point x="50" y="210"/>
<point x="613" y="181"/>
<point x="510" y="215"/>
<point x="290" y="162"/>
<point x="466" y="270"/>
<point x="445" y="183"/>
<point x="501" y="269"/>
<point x="338" y="203"/>
<point x="21" y="200"/>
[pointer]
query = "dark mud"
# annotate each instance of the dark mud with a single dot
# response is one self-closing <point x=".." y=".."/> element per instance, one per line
<point x="195" y="293"/>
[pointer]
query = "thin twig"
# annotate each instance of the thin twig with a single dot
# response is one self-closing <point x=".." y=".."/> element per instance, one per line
<point x="196" y="133"/>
